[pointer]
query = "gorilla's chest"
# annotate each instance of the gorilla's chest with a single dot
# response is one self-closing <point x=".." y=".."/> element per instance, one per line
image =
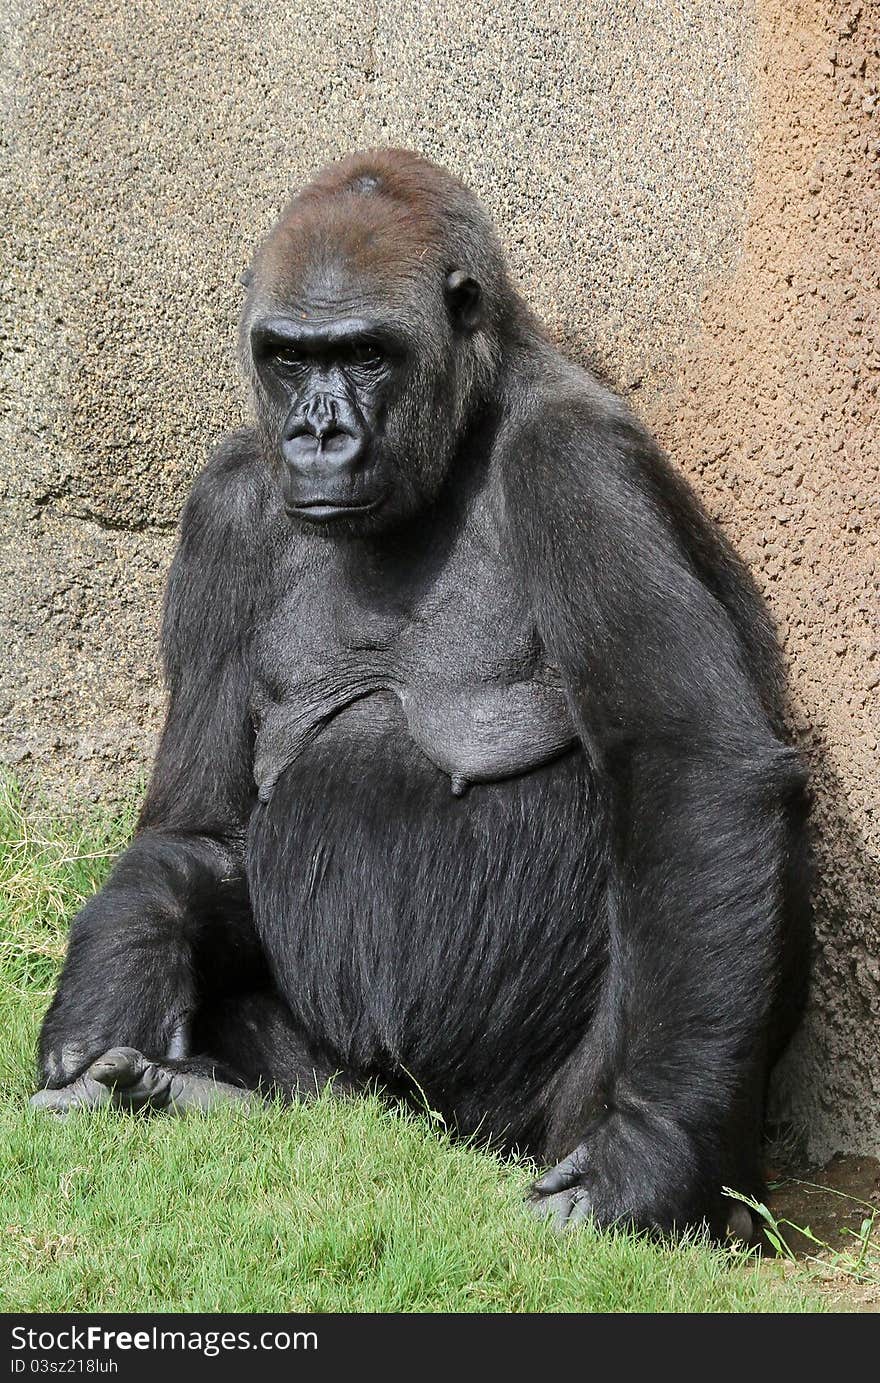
<point x="452" y="651"/>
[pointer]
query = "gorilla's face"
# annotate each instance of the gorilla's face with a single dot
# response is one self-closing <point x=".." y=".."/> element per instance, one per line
<point x="331" y="379"/>
<point x="369" y="337"/>
<point x="363" y="389"/>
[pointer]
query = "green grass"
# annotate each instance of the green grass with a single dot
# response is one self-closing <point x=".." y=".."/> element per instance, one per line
<point x="334" y="1206"/>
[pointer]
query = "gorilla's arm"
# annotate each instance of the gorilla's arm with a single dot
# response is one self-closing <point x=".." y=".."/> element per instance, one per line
<point x="670" y="683"/>
<point x="128" y="977"/>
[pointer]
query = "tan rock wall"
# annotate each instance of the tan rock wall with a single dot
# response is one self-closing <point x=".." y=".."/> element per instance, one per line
<point x="776" y="417"/>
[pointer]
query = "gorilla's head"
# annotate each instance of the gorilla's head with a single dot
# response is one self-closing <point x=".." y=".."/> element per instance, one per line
<point x="371" y="334"/>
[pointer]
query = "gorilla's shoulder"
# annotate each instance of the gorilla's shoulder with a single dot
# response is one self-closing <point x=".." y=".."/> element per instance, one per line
<point x="558" y="407"/>
<point x="233" y="489"/>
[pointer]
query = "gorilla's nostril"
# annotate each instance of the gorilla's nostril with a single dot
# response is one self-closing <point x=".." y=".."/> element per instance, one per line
<point x="321" y="414"/>
<point x="334" y="450"/>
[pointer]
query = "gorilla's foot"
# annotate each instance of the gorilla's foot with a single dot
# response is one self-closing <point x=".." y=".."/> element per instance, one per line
<point x="127" y="1079"/>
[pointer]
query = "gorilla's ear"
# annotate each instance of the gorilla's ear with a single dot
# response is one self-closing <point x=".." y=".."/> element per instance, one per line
<point x="464" y="298"/>
<point x="247" y="278"/>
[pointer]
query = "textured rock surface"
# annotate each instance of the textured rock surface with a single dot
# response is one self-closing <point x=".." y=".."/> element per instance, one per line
<point x="685" y="194"/>
<point x="777" y="419"/>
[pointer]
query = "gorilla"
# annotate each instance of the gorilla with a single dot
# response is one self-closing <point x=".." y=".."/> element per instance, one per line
<point x="474" y="780"/>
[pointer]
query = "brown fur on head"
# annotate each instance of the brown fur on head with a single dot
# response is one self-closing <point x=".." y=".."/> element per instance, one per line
<point x="390" y="217"/>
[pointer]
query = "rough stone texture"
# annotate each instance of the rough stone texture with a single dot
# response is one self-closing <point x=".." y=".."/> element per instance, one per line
<point x="684" y="192"/>
<point x="776" y="417"/>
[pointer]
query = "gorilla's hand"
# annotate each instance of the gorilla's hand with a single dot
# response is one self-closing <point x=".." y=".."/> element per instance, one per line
<point x="620" y="1175"/>
<point x="634" y="1167"/>
<point x="126" y="1079"/>
<point x="561" y="1196"/>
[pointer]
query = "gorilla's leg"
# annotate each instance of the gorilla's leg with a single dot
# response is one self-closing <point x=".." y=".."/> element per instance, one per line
<point x="252" y="1047"/>
<point x="255" y="1036"/>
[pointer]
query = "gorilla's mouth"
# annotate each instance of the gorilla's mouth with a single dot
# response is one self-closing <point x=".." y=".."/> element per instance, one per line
<point x="324" y="510"/>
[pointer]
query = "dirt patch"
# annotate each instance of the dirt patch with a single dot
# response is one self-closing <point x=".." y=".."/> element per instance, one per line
<point x="832" y="1203"/>
<point x="776" y="419"/>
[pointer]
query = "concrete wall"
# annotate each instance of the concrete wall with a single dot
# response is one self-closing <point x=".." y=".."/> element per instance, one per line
<point x="684" y="192"/>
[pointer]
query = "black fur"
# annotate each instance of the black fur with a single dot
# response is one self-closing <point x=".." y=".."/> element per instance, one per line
<point x="592" y="951"/>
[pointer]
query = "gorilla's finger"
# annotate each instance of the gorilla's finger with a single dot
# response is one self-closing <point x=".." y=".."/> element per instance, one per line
<point x="564" y="1174"/>
<point x="120" y="1067"/>
<point x="555" y="1209"/>
<point x="72" y="1060"/>
<point x="581" y="1210"/>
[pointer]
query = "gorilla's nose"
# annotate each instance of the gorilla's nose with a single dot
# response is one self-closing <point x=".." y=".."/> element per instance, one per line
<point x="323" y="440"/>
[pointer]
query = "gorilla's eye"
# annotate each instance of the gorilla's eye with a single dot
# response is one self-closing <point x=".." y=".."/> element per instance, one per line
<point x="367" y="357"/>
<point x="289" y="358"/>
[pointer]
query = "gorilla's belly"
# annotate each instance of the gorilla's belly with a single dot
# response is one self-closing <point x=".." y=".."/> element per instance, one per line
<point x="368" y="877"/>
<point x="474" y="734"/>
